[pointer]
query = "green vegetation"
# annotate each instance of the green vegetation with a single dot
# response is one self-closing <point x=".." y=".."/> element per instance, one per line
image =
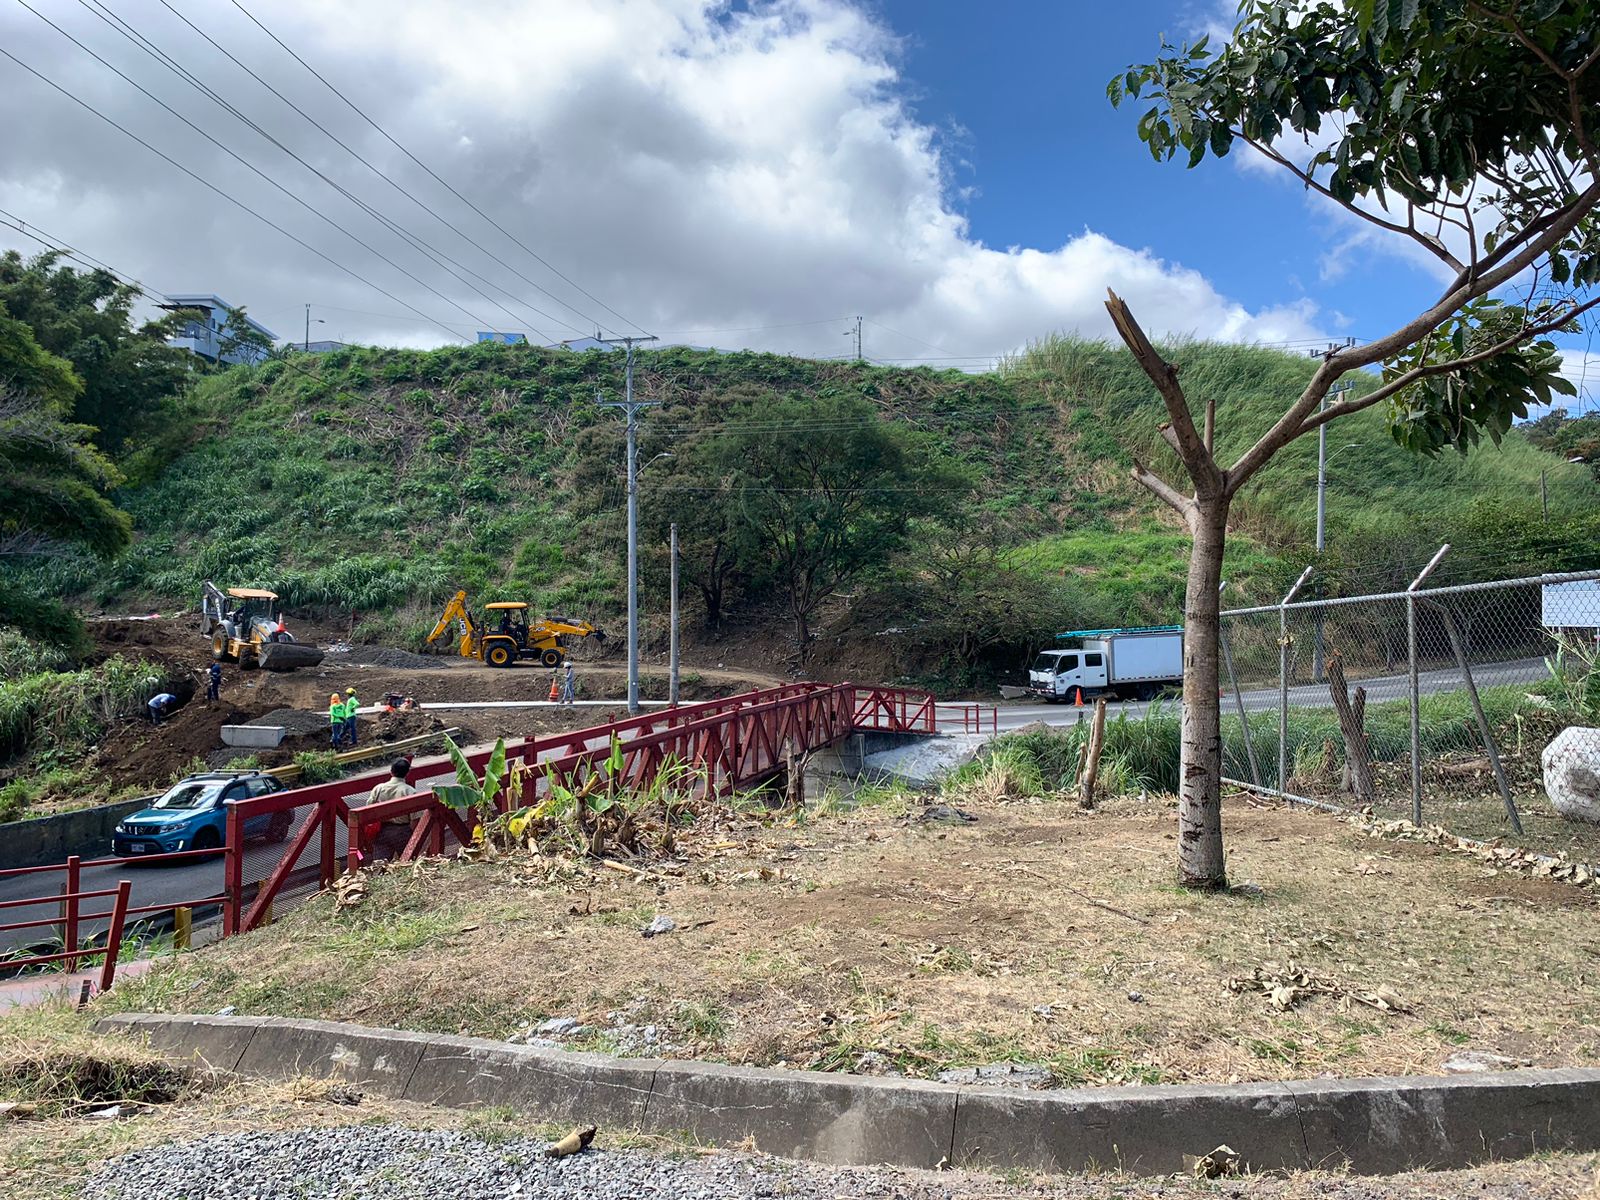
<point x="380" y="481"/>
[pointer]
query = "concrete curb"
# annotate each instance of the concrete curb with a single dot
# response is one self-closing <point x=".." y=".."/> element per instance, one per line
<point x="1371" y="1126"/>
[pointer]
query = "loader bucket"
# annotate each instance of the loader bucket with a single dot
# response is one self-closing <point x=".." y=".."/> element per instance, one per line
<point x="288" y="656"/>
<point x="599" y="635"/>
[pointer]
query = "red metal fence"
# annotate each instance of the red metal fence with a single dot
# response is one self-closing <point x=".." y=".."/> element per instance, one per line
<point x="720" y="745"/>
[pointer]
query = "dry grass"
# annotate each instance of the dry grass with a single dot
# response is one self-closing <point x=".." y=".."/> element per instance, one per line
<point x="1039" y="933"/>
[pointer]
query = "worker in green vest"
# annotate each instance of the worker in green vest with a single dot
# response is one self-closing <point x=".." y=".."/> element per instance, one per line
<point x="336" y="719"/>
<point x="351" y="704"/>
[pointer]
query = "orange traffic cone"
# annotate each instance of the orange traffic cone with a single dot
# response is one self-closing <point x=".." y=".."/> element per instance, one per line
<point x="1077" y="697"/>
<point x="555" y="689"/>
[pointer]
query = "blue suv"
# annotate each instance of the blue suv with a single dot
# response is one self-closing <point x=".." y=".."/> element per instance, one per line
<point x="193" y="815"/>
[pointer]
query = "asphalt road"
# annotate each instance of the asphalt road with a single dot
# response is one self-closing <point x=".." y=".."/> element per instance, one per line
<point x="202" y="879"/>
<point x="1379" y="689"/>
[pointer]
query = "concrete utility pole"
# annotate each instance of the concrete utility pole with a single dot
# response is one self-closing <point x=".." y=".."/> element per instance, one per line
<point x="1318" y="654"/>
<point x="857" y="334"/>
<point x="320" y="321"/>
<point x="631" y="408"/>
<point x="672" y="653"/>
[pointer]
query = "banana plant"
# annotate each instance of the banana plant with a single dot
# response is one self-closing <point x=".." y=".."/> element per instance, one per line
<point x="470" y="793"/>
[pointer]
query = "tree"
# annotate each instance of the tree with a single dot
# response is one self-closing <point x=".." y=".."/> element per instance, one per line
<point x="1462" y="126"/>
<point x="129" y="374"/>
<point x="969" y="597"/>
<point x="53" y="481"/>
<point x="1575" y="439"/>
<point x="825" y="491"/>
<point x="241" y="340"/>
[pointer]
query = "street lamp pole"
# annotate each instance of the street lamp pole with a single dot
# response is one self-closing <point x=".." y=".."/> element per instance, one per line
<point x="631" y="409"/>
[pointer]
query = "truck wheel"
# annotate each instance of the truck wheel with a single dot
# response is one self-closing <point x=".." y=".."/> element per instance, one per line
<point x="500" y="655"/>
<point x="551" y="658"/>
<point x="219" y="649"/>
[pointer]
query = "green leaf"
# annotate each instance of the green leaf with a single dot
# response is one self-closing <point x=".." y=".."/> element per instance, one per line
<point x="465" y="775"/>
<point x="494" y="771"/>
<point x="614" y="760"/>
<point x="455" y="795"/>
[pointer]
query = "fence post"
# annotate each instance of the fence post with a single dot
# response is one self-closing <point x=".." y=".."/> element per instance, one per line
<point x="330" y="843"/>
<point x="1416" y="690"/>
<point x="119" y="916"/>
<point x="182" y="927"/>
<point x="1283" y="678"/>
<point x="69" y="906"/>
<point x="233" y="875"/>
<point x="1487" y="734"/>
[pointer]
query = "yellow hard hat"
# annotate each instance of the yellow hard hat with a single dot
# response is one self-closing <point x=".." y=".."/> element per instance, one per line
<point x="349" y="691"/>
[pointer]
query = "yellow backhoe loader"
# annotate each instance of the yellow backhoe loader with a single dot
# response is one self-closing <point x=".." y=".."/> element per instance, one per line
<point x="507" y="636"/>
<point x="246" y="627"/>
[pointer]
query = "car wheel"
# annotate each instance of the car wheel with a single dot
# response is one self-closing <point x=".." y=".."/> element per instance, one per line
<point x="278" y="829"/>
<point x="208" y="839"/>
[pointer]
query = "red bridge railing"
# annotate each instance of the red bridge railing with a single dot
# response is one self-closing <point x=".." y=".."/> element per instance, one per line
<point x="727" y="743"/>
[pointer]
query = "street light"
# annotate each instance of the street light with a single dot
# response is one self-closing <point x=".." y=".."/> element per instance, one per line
<point x="309" y="321"/>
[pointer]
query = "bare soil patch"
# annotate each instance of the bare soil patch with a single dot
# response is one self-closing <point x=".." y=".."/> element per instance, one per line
<point x="874" y="941"/>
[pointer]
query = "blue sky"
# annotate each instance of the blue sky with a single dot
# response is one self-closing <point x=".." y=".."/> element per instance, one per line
<point x="1049" y="155"/>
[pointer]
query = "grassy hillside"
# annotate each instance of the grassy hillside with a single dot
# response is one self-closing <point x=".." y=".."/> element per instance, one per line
<point x="381" y="480"/>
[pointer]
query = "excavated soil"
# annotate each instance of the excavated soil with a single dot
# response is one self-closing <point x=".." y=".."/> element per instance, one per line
<point x="135" y="753"/>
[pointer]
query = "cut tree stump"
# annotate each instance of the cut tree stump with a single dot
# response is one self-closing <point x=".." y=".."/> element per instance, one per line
<point x="1352" y="723"/>
<point x="1091" y="759"/>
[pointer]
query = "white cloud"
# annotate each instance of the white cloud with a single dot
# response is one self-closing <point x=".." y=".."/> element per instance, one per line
<point x="695" y="167"/>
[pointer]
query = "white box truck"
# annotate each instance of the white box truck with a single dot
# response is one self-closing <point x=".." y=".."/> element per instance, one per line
<point x="1130" y="664"/>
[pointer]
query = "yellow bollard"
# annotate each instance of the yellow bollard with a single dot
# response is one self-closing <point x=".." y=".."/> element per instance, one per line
<point x="182" y="926"/>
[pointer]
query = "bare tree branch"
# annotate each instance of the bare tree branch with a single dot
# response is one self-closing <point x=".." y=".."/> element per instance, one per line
<point x="1181" y="434"/>
<point x="1399" y="382"/>
<point x="1149" y="479"/>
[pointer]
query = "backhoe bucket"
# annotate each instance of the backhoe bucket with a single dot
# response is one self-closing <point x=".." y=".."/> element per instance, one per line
<point x="288" y="656"/>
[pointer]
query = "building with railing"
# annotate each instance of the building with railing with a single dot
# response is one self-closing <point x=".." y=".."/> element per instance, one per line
<point x="206" y="330"/>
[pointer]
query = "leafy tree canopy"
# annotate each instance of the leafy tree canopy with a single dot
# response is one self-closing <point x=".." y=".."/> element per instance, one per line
<point x="129" y="374"/>
<point x="53" y="480"/>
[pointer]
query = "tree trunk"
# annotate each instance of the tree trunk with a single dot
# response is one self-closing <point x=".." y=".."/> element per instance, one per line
<point x="1200" y="859"/>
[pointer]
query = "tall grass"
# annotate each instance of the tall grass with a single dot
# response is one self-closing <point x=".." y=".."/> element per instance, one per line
<point x="64" y="710"/>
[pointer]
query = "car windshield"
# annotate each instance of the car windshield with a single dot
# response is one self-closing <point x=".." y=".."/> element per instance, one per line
<point x="1047" y="662"/>
<point x="190" y="794"/>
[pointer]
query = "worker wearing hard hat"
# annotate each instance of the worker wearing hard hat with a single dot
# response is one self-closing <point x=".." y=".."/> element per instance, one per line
<point x="351" y="704"/>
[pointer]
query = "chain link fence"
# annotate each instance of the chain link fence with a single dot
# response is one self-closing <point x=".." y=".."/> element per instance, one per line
<point x="1475" y="706"/>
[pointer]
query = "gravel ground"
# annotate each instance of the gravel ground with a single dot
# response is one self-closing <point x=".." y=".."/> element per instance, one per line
<point x="391" y="1162"/>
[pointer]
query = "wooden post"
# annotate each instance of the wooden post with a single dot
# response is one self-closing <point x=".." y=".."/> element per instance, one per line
<point x="1091" y="761"/>
<point x="1356" y="751"/>
<point x="182" y="927"/>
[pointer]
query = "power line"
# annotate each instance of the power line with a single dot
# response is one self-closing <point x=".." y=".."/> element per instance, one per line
<point x="239" y="159"/>
<point x="379" y="172"/>
<point x="390" y="138"/>
<point x="438" y="257"/>
<point x="206" y="183"/>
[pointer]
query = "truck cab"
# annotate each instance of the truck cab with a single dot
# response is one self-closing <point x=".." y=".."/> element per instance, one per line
<point x="1056" y="674"/>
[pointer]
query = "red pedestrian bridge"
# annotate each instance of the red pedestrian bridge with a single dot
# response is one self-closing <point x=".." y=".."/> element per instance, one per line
<point x="735" y="743"/>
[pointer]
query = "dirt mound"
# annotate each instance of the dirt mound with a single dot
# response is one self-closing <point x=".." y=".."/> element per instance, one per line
<point x="380" y="656"/>
<point x="295" y="720"/>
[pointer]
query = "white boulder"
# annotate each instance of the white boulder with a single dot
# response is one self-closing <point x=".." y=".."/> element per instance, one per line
<point x="1571" y="765"/>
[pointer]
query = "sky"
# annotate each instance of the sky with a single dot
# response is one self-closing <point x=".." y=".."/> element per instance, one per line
<point x="728" y="174"/>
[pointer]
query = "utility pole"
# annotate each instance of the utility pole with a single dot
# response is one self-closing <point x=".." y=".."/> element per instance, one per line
<point x="1544" y="495"/>
<point x="631" y="409"/>
<point x="672" y="653"/>
<point x="856" y="332"/>
<point x="1318" y="656"/>
<point x="320" y="321"/>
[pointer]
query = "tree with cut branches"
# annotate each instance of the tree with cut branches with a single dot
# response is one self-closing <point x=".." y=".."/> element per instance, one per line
<point x="1466" y="127"/>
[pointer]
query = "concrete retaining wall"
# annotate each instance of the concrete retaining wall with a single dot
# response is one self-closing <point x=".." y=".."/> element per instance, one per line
<point x="43" y="840"/>
<point x="1369" y="1125"/>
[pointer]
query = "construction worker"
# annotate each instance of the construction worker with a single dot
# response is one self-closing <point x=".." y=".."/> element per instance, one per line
<point x="351" y="703"/>
<point x="566" y="685"/>
<point x="214" y="681"/>
<point x="336" y="719"/>
<point x="160" y="705"/>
